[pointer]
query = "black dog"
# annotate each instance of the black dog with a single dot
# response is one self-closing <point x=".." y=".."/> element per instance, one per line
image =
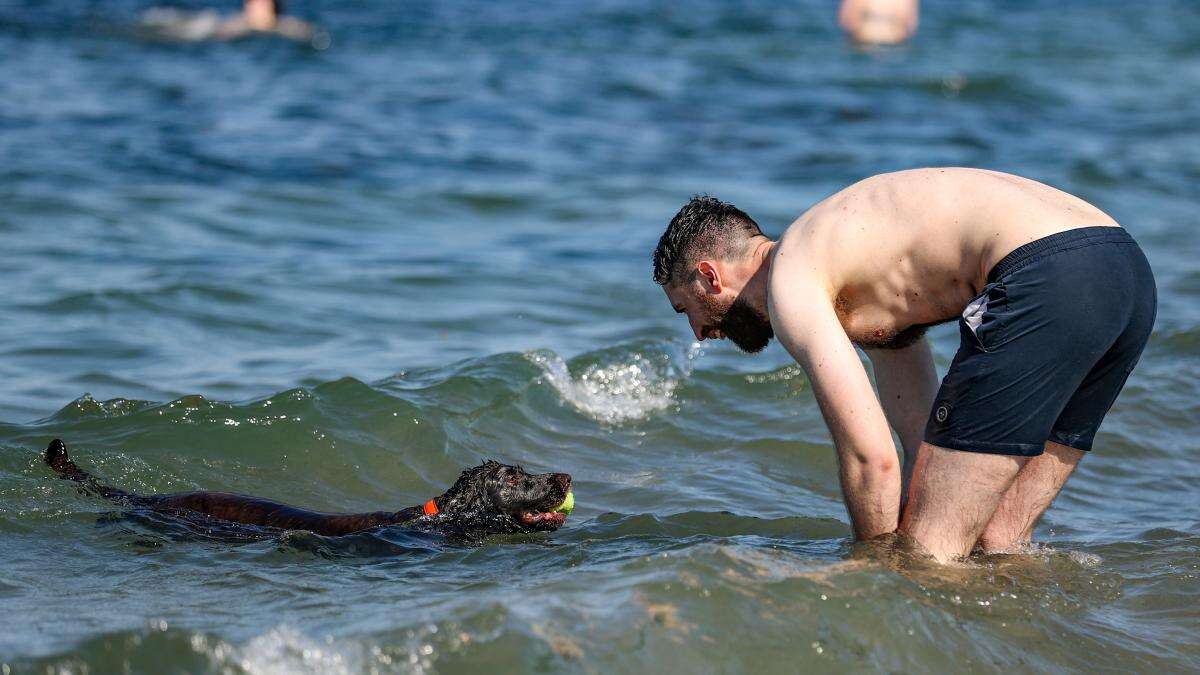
<point x="492" y="498"/>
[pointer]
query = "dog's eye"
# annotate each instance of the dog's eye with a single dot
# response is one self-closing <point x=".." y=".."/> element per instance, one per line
<point x="514" y="480"/>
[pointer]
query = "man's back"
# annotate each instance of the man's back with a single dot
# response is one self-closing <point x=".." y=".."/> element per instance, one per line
<point x="912" y="247"/>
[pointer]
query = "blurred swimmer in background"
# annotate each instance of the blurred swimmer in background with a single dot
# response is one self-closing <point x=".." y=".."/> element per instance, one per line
<point x="879" y="22"/>
<point x="258" y="17"/>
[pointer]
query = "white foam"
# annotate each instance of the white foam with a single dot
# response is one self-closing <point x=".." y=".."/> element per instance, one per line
<point x="284" y="650"/>
<point x="628" y="389"/>
<point x="1085" y="559"/>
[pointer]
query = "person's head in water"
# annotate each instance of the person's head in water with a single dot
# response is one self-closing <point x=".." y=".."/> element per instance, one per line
<point x="262" y="14"/>
<point x="712" y="262"/>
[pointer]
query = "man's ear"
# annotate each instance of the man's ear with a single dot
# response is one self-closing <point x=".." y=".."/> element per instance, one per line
<point x="710" y="277"/>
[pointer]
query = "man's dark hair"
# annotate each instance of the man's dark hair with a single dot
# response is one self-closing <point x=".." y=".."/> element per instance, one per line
<point x="705" y="226"/>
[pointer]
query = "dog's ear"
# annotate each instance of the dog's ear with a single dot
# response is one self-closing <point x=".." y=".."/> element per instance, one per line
<point x="469" y="491"/>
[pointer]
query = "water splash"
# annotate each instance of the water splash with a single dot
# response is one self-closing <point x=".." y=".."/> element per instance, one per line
<point x="285" y="650"/>
<point x="614" y="390"/>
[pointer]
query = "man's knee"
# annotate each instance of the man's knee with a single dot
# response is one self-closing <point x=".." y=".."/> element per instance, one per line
<point x="1002" y="537"/>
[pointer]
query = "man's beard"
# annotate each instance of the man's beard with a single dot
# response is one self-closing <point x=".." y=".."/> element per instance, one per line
<point x="744" y="325"/>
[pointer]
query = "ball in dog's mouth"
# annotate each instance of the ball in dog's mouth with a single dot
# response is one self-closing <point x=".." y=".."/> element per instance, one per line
<point x="556" y="517"/>
<point x="567" y="505"/>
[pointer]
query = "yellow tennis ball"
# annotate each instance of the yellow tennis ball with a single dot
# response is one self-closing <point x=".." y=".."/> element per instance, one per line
<point x="567" y="506"/>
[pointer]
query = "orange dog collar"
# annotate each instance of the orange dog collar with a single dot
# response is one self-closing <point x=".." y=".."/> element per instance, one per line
<point x="431" y="508"/>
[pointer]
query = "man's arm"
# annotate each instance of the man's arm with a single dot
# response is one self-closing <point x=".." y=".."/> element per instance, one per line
<point x="805" y="323"/>
<point x="907" y="384"/>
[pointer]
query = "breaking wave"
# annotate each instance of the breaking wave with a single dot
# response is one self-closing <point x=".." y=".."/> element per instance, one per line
<point x="619" y="387"/>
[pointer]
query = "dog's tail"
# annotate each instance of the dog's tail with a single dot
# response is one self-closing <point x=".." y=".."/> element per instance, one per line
<point x="56" y="457"/>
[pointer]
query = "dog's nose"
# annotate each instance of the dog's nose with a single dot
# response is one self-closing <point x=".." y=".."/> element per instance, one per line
<point x="564" y="480"/>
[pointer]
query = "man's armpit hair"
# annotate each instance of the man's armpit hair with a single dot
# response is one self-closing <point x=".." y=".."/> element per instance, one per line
<point x="705" y="226"/>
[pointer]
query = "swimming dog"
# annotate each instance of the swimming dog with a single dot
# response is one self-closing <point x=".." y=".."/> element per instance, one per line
<point x="491" y="498"/>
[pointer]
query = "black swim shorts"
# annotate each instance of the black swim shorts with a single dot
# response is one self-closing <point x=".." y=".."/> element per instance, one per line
<point x="1047" y="345"/>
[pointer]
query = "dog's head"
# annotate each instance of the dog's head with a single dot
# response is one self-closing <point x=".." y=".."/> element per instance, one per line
<point x="495" y="498"/>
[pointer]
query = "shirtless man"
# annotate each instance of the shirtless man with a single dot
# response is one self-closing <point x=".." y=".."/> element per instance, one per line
<point x="1054" y="303"/>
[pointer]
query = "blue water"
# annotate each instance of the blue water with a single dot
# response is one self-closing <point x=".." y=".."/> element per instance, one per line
<point x="338" y="276"/>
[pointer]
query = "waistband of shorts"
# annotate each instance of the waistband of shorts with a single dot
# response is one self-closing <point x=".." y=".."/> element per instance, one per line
<point x="1059" y="241"/>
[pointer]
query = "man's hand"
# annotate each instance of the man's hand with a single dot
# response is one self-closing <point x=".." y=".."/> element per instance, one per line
<point x="804" y="321"/>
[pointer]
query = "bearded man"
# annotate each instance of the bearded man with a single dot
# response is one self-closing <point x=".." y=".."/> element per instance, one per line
<point x="1054" y="302"/>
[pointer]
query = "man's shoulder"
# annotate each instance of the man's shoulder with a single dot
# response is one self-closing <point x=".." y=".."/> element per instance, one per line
<point x="798" y="281"/>
<point x="811" y="248"/>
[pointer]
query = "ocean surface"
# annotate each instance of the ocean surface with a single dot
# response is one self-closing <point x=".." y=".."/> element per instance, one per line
<point x="336" y="275"/>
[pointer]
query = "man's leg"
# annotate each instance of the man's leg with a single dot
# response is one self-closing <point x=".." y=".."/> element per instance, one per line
<point x="953" y="496"/>
<point x="1028" y="497"/>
